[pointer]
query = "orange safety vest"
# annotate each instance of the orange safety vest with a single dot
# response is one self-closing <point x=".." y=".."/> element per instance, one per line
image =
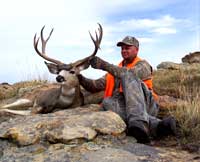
<point x="110" y="81"/>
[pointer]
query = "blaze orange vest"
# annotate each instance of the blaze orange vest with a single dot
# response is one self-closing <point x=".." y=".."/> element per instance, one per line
<point x="110" y="81"/>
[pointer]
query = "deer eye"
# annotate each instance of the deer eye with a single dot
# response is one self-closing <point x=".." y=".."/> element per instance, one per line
<point x="72" y="72"/>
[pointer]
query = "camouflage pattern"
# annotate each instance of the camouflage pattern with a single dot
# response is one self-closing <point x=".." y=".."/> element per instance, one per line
<point x="142" y="69"/>
<point x="136" y="103"/>
<point x="92" y="85"/>
<point x="116" y="103"/>
<point x="129" y="40"/>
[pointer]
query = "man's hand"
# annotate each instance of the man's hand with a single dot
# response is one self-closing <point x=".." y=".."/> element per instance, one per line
<point x="97" y="63"/>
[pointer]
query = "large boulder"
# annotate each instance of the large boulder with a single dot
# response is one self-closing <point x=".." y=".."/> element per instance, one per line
<point x="192" y="58"/>
<point x="62" y="126"/>
<point x="168" y="65"/>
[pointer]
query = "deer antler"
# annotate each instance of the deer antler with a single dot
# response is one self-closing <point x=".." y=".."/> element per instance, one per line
<point x="96" y="42"/>
<point x="81" y="62"/>
<point x="44" y="42"/>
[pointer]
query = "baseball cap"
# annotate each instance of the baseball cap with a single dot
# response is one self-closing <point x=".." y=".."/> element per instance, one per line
<point x="129" y="40"/>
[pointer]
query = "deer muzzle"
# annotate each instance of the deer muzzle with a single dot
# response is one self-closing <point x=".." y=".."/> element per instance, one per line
<point x="60" y="79"/>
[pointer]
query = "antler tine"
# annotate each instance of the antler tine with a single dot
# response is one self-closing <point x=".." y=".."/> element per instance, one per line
<point x="98" y="39"/>
<point x="35" y="43"/>
<point x="44" y="42"/>
<point x="96" y="42"/>
<point x="100" y="31"/>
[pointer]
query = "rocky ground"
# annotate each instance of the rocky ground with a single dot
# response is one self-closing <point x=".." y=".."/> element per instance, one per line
<point x="79" y="135"/>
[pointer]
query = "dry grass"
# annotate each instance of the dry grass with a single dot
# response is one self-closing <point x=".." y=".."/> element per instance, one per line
<point x="187" y="114"/>
<point x="173" y="82"/>
<point x="165" y="82"/>
<point x="184" y="84"/>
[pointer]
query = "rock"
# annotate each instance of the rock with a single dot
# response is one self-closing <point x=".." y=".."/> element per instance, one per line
<point x="6" y="91"/>
<point x="70" y="133"/>
<point x="168" y="65"/>
<point x="4" y="83"/>
<point x="62" y="126"/>
<point x="103" y="148"/>
<point x="192" y="58"/>
<point x="5" y="116"/>
<point x="167" y="104"/>
<point x="109" y="155"/>
<point x="36" y="153"/>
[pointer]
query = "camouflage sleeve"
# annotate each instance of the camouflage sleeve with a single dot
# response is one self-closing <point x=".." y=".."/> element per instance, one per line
<point x="92" y="85"/>
<point x="142" y="70"/>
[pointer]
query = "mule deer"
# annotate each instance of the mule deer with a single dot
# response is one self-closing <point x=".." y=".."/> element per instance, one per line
<point x="69" y="93"/>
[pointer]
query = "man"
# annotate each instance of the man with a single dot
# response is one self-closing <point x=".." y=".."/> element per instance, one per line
<point x="129" y="93"/>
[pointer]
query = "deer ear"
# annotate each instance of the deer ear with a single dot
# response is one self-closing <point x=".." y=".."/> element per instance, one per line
<point x="53" y="68"/>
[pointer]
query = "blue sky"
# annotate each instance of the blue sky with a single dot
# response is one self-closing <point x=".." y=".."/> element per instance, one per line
<point x="167" y="30"/>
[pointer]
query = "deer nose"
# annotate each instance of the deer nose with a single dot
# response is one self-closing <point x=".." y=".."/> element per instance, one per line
<point x="60" y="78"/>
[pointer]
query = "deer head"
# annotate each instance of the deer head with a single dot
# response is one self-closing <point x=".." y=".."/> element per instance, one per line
<point x="65" y="72"/>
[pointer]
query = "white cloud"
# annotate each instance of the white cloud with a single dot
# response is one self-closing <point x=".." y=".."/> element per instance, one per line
<point x="164" y="31"/>
<point x="146" y="40"/>
<point x="164" y="21"/>
<point x="31" y="8"/>
<point x="105" y="7"/>
<point x="163" y="25"/>
<point x="48" y="8"/>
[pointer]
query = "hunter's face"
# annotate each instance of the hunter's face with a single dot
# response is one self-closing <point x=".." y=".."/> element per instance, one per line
<point x="128" y="52"/>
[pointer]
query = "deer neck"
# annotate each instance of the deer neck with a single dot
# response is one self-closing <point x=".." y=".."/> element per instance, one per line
<point x="70" y="95"/>
<point x="78" y="97"/>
